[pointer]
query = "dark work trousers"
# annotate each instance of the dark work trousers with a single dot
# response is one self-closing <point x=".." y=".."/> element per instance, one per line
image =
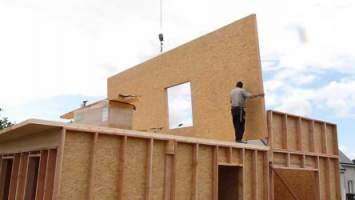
<point x="238" y="115"/>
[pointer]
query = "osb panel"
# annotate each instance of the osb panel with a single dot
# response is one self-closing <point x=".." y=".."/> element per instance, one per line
<point x="292" y="133"/>
<point x="75" y="169"/>
<point x="106" y="167"/>
<point x="301" y="183"/>
<point x="280" y="189"/>
<point x="31" y="142"/>
<point x="311" y="162"/>
<point x="280" y="159"/>
<point x="332" y="179"/>
<point x="323" y="179"/>
<point x="223" y="154"/>
<point x="260" y="169"/>
<point x="296" y="160"/>
<point x="184" y="172"/>
<point x="306" y="135"/>
<point x="277" y="132"/>
<point x="237" y="156"/>
<point x="317" y="137"/>
<point x="157" y="190"/>
<point x="331" y="140"/>
<point x="204" y="168"/>
<point x="212" y="64"/>
<point x="248" y="170"/>
<point x="135" y="169"/>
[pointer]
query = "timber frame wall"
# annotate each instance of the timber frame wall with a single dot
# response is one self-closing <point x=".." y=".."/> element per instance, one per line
<point x="299" y="143"/>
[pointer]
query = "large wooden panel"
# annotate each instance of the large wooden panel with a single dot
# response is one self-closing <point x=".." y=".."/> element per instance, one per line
<point x="298" y="134"/>
<point x="106" y="167"/>
<point x="212" y="63"/>
<point x="158" y="169"/>
<point x="76" y="166"/>
<point x="184" y="175"/>
<point x="205" y="166"/>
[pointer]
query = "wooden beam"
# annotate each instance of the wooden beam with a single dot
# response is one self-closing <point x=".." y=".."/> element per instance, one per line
<point x="285" y="132"/>
<point x="150" y="148"/>
<point x="271" y="186"/>
<point x="317" y="177"/>
<point x="215" y="174"/>
<point x="337" y="180"/>
<point x="324" y="138"/>
<point x="327" y="177"/>
<point x="92" y="167"/>
<point x="59" y="164"/>
<point x="14" y="174"/>
<point x="269" y="128"/>
<point x="299" y="135"/>
<point x="173" y="174"/>
<point x="303" y="161"/>
<point x="22" y="176"/>
<point x="195" y="172"/>
<point x="288" y="160"/>
<point x="230" y="155"/>
<point x="255" y="175"/>
<point x="311" y="137"/>
<point x="266" y="176"/>
<point x="50" y="174"/>
<point x="41" y="175"/>
<point x="121" y="166"/>
<point x="244" y="175"/>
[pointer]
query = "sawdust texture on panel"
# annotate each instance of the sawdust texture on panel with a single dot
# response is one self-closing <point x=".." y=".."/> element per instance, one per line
<point x="106" y="167"/>
<point x="157" y="190"/>
<point x="237" y="156"/>
<point x="44" y="140"/>
<point x="76" y="165"/>
<point x="135" y="169"/>
<point x="212" y="64"/>
<point x="223" y="154"/>
<point x="205" y="169"/>
<point x="184" y="166"/>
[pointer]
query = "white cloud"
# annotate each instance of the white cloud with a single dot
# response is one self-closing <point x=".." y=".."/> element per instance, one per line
<point x="347" y="151"/>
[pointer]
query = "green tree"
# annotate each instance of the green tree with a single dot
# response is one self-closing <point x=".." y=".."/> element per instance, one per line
<point x="4" y="122"/>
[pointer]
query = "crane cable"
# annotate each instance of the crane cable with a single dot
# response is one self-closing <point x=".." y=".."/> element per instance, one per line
<point x="161" y="36"/>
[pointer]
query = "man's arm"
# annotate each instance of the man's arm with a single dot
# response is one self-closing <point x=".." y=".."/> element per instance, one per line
<point x="256" y="95"/>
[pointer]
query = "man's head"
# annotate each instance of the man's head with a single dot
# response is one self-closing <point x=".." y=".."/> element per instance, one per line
<point x="239" y="84"/>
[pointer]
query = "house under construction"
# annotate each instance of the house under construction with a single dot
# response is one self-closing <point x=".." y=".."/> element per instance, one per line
<point x="124" y="147"/>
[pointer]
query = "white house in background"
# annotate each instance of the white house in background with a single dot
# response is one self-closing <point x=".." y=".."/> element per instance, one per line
<point x="347" y="177"/>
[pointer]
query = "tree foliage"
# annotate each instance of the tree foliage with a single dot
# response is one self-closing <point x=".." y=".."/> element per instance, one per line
<point x="4" y="122"/>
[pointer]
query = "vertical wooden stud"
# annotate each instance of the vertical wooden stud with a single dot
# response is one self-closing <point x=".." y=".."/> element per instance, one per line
<point x="255" y="175"/>
<point x="22" y="176"/>
<point x="50" y="174"/>
<point x="121" y="166"/>
<point x="244" y="174"/>
<point x="311" y="137"/>
<point x="269" y="128"/>
<point x="324" y="138"/>
<point x="288" y="160"/>
<point x="195" y="172"/>
<point x="92" y="167"/>
<point x="271" y="186"/>
<point x="14" y="175"/>
<point x="335" y="140"/>
<point x="299" y="135"/>
<point x="285" y="132"/>
<point x="58" y="167"/>
<point x="215" y="173"/>
<point x="149" y="169"/>
<point x="303" y="161"/>
<point x="41" y="175"/>
<point x="317" y="175"/>
<point x="337" y="180"/>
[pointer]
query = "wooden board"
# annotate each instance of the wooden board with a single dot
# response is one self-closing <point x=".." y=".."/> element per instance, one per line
<point x="212" y="64"/>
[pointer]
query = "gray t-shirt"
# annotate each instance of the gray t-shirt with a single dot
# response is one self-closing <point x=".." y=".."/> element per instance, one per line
<point x="239" y="96"/>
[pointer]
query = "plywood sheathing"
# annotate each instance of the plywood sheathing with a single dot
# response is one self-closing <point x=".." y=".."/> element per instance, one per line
<point x="146" y="174"/>
<point x="212" y="64"/>
<point x="302" y="144"/>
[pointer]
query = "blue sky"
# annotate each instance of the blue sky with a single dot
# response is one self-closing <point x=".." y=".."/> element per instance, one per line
<point x="54" y="54"/>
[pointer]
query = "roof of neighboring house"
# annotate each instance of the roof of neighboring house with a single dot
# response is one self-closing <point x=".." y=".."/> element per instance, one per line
<point x="344" y="159"/>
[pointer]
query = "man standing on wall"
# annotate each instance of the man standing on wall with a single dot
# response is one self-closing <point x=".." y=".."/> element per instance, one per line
<point x="238" y="98"/>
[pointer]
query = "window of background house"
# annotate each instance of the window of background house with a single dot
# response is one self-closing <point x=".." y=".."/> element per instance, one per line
<point x="350" y="187"/>
<point x="180" y="106"/>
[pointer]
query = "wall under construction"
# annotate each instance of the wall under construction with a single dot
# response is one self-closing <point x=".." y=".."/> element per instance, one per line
<point x="104" y="163"/>
<point x="212" y="64"/>
<point x="305" y="158"/>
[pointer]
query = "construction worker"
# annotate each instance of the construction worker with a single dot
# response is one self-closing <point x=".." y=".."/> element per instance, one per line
<point x="238" y="97"/>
